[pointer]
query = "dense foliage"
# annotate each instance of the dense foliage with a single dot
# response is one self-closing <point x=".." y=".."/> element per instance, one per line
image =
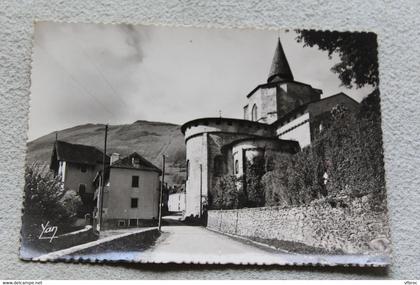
<point x="357" y="51"/>
<point x="293" y="181"/>
<point x="228" y="194"/>
<point x="254" y="188"/>
<point x="246" y="191"/>
<point x="353" y="148"/>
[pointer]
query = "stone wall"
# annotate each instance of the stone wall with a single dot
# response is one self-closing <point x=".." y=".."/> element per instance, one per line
<point x="336" y="227"/>
<point x="265" y="100"/>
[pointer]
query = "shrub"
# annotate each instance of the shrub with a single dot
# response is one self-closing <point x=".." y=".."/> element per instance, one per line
<point x="254" y="188"/>
<point x="246" y="191"/>
<point x="228" y="194"/>
<point x="46" y="200"/>
<point x="293" y="181"/>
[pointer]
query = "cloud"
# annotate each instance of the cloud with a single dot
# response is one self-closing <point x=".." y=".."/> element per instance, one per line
<point x="134" y="40"/>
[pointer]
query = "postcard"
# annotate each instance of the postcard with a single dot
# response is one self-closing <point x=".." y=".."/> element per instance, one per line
<point x="159" y="144"/>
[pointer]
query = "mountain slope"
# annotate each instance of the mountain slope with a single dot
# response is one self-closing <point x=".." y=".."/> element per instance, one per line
<point x="150" y="139"/>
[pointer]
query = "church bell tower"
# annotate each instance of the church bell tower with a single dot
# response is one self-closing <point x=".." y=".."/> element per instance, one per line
<point x="280" y="70"/>
<point x="271" y="101"/>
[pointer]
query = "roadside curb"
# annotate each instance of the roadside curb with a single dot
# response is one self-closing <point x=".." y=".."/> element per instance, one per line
<point x="249" y="240"/>
<point x="57" y="254"/>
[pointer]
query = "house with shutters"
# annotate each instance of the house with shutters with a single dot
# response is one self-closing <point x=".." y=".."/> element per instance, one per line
<point x="131" y="192"/>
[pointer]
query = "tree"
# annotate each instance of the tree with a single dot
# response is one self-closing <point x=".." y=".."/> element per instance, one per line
<point x="371" y="141"/>
<point x="228" y="194"/>
<point x="253" y="182"/>
<point x="47" y="201"/>
<point x="275" y="179"/>
<point x="357" y="52"/>
<point x="352" y="143"/>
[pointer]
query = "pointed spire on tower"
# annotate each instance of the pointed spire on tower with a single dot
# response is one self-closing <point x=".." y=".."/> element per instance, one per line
<point x="280" y="67"/>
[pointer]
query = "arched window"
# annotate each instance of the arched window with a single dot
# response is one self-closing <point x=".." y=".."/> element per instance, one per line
<point x="218" y="165"/>
<point x="246" y="115"/>
<point x="236" y="167"/>
<point x="254" y="112"/>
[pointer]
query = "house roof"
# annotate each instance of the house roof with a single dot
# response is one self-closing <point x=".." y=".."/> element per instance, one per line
<point x="76" y="153"/>
<point x="128" y="163"/>
<point x="280" y="66"/>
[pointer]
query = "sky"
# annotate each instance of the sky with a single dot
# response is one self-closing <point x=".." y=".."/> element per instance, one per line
<point x="118" y="74"/>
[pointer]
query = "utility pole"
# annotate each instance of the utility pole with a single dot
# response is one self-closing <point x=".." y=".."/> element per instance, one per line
<point x="201" y="190"/>
<point x="200" y="213"/>
<point x="161" y="192"/>
<point x="102" y="186"/>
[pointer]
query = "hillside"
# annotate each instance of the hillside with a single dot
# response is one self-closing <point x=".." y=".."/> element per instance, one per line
<point x="150" y="139"/>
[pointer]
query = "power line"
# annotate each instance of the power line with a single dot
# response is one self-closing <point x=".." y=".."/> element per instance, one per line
<point x="84" y="89"/>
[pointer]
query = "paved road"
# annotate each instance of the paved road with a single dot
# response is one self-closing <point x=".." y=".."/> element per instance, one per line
<point x="187" y="244"/>
<point x="197" y="244"/>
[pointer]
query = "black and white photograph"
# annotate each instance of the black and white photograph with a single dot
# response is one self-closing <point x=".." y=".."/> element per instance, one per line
<point x="159" y="144"/>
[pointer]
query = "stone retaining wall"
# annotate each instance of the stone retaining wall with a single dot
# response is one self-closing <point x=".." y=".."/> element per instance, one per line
<point x="349" y="227"/>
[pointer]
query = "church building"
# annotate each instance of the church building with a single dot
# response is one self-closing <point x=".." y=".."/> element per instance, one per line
<point x="281" y="115"/>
